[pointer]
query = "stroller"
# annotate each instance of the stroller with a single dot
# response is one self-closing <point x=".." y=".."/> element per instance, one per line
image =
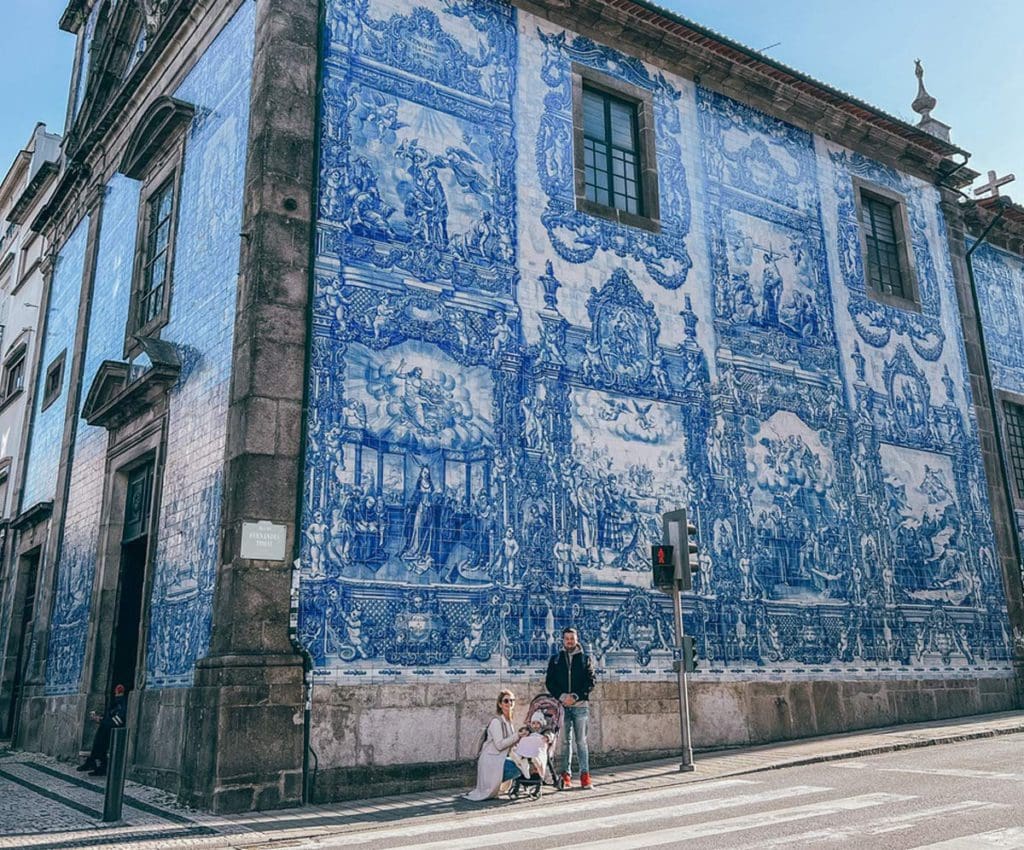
<point x="551" y="708"/>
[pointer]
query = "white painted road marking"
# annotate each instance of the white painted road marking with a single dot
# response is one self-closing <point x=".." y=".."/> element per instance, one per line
<point x="758" y="820"/>
<point x="1011" y="838"/>
<point x="583" y="821"/>
<point x="958" y="772"/>
<point x="574" y="807"/>
<point x="880" y="826"/>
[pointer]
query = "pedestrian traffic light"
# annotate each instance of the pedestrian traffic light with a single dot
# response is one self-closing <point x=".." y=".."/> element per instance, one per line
<point x="689" y="654"/>
<point x="663" y="566"/>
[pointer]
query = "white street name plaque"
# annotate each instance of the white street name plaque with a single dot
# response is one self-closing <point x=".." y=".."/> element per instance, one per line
<point x="263" y="540"/>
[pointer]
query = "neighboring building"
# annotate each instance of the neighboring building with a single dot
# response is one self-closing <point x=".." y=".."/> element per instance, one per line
<point x="535" y="283"/>
<point x="23" y="193"/>
<point x="123" y="488"/>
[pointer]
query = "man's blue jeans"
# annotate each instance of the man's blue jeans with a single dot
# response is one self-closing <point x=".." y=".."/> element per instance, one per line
<point x="575" y="728"/>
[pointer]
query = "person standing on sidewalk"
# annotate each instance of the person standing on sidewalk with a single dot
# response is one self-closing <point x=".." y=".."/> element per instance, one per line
<point x="570" y="678"/>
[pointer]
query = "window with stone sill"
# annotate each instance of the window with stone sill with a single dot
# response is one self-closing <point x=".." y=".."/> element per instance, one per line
<point x="14" y="374"/>
<point x="154" y="156"/>
<point x="54" y="382"/>
<point x="886" y="251"/>
<point x="613" y="148"/>
<point x="5" y="479"/>
<point x="154" y="268"/>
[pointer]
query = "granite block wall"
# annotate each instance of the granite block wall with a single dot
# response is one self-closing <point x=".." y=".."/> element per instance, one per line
<point x="506" y="392"/>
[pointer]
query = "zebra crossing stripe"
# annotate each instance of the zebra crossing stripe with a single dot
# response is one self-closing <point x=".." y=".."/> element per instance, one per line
<point x="958" y="772"/>
<point x="1011" y="838"/>
<point x="757" y="820"/>
<point x="880" y="826"/>
<point x="583" y="821"/>
<point x="504" y="814"/>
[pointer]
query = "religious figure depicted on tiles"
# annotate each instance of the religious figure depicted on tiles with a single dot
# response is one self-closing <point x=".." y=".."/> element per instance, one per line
<point x="505" y="395"/>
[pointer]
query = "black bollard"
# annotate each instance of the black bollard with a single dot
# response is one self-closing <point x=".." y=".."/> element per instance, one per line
<point x="116" y="765"/>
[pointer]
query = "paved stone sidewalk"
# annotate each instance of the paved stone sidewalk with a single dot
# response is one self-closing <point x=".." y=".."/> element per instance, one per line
<point x="45" y="805"/>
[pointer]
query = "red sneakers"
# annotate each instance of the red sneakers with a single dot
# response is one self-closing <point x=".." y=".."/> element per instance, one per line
<point x="585" y="781"/>
<point x="566" y="780"/>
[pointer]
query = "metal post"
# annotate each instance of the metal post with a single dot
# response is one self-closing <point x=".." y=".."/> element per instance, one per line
<point x="686" y="764"/>
<point x="116" y="765"/>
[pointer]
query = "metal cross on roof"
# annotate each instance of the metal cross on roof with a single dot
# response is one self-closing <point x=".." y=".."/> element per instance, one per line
<point x="992" y="187"/>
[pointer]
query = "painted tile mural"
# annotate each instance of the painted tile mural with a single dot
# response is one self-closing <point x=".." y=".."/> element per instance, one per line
<point x="505" y="393"/>
<point x="200" y="326"/>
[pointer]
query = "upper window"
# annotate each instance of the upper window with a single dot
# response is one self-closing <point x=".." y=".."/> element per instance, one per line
<point x="611" y="151"/>
<point x="154" y="156"/>
<point x="888" y="270"/>
<point x="151" y="293"/>
<point x="614" y="149"/>
<point x="1014" y="414"/>
<point x="14" y="373"/>
<point x="54" y="382"/>
<point x="156" y="256"/>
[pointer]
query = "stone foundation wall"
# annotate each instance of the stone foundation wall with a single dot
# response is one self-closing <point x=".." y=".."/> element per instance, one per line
<point x="53" y="725"/>
<point x="158" y="736"/>
<point x="377" y="740"/>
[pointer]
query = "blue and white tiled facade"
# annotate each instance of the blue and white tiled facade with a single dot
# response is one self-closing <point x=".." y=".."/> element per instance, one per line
<point x="505" y="393"/>
<point x="77" y="561"/>
<point x="201" y="326"/>
<point x="58" y="336"/>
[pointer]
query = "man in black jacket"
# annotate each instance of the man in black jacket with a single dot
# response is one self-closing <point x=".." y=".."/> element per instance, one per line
<point x="112" y="718"/>
<point x="570" y="677"/>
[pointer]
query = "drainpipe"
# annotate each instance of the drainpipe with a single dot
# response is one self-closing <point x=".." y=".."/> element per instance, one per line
<point x="308" y="779"/>
<point x="1004" y="204"/>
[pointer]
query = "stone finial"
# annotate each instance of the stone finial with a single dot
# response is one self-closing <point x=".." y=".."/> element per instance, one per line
<point x="923" y="105"/>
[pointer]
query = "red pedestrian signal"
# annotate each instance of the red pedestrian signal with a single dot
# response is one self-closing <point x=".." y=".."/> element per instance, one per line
<point x="664" y="568"/>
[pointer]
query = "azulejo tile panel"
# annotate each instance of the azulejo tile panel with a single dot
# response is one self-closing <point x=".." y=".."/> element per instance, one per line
<point x="201" y="326"/>
<point x="504" y="399"/>
<point x="999" y="277"/>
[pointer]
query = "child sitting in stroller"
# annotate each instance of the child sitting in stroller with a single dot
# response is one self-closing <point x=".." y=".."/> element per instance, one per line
<point x="532" y="752"/>
<point x="533" y="749"/>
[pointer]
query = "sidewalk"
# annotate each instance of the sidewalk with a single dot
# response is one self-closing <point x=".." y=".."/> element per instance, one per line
<point x="45" y="805"/>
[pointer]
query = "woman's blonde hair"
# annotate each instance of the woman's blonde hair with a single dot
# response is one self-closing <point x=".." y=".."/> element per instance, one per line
<point x="501" y="695"/>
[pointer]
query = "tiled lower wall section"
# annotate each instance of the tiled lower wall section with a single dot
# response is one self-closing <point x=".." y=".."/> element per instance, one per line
<point x="202" y="325"/>
<point x="376" y="740"/>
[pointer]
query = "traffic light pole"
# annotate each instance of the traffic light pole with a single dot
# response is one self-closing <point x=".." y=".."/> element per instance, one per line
<point x="686" y="764"/>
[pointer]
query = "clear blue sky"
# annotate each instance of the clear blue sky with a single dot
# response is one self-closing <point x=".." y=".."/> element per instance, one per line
<point x="971" y="52"/>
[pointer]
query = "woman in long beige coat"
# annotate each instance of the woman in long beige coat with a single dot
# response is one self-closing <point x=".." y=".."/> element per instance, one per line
<point x="500" y="737"/>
